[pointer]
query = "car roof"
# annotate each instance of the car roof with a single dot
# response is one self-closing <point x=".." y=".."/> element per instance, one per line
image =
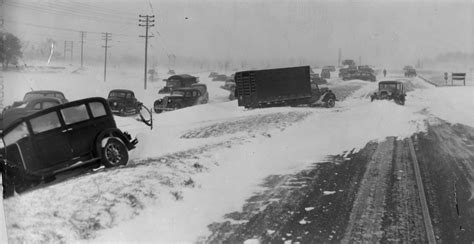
<point x="390" y="82"/>
<point x="182" y="76"/>
<point x="43" y="92"/>
<point x="55" y="108"/>
<point x="121" y="90"/>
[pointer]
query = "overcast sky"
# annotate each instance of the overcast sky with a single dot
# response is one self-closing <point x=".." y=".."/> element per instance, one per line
<point x="381" y="32"/>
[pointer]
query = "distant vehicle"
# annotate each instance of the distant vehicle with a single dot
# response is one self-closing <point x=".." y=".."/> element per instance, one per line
<point x="407" y="67"/>
<point x="348" y="62"/>
<point x="123" y="102"/>
<point x="42" y="145"/>
<point x="277" y="87"/>
<point x="178" y="81"/>
<point x="315" y="78"/>
<point x="31" y="106"/>
<point x="346" y="73"/>
<point x="228" y="84"/>
<point x="410" y="72"/>
<point x="390" y="90"/>
<point x="326" y="73"/>
<point x="213" y="74"/>
<point x="331" y="68"/>
<point x="232" y="95"/>
<point x="220" y="78"/>
<point x="171" y="72"/>
<point x="181" y="98"/>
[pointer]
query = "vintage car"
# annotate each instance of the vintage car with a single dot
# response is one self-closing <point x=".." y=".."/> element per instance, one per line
<point x="38" y="94"/>
<point x="220" y="78"/>
<point x="123" y="102"/>
<point x="56" y="140"/>
<point x="178" y="81"/>
<point x="181" y="98"/>
<point x="326" y="73"/>
<point x="213" y="74"/>
<point x="390" y="90"/>
<point x="33" y="105"/>
<point x="171" y="72"/>
<point x="410" y="72"/>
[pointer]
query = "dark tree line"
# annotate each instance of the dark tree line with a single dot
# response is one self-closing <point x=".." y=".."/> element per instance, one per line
<point x="10" y="49"/>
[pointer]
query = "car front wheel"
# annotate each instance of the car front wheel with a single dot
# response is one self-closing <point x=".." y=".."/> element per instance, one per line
<point x="114" y="153"/>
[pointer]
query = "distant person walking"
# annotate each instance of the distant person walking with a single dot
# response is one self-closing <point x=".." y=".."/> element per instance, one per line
<point x="384" y="73"/>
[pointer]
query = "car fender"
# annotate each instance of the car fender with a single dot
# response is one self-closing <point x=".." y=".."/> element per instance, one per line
<point x="103" y="137"/>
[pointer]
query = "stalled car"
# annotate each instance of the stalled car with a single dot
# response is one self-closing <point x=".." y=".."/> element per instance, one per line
<point x="42" y="145"/>
<point x="180" y="98"/>
<point x="325" y="73"/>
<point x="390" y="90"/>
<point x="220" y="78"/>
<point x="123" y="102"/>
<point x="33" y="105"/>
<point x="39" y="94"/>
<point x="178" y="81"/>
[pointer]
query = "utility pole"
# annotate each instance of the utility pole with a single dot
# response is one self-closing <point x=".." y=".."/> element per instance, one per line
<point x="106" y="37"/>
<point x="68" y="48"/>
<point x="83" y="34"/>
<point x="360" y="60"/>
<point x="339" y="58"/>
<point x="147" y="20"/>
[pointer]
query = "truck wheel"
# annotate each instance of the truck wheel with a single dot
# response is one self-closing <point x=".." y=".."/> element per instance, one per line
<point x="114" y="153"/>
<point x="330" y="103"/>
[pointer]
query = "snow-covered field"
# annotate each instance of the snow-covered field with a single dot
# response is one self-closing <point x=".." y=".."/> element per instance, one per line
<point x="201" y="162"/>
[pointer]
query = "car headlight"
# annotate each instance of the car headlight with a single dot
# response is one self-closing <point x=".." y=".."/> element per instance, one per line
<point x="169" y="100"/>
<point x="114" y="104"/>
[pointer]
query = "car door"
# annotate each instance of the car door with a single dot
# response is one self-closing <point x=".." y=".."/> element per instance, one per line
<point x="49" y="140"/>
<point x="79" y="129"/>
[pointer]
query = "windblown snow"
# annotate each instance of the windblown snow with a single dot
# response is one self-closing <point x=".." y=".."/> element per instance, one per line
<point x="201" y="162"/>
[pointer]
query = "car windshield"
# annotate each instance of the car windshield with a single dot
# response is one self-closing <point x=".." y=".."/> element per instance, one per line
<point x="178" y="92"/>
<point x="118" y="94"/>
<point x="388" y="86"/>
<point x="30" y="96"/>
<point x="172" y="83"/>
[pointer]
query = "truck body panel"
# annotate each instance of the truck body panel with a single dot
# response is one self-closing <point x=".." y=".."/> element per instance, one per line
<point x="257" y="88"/>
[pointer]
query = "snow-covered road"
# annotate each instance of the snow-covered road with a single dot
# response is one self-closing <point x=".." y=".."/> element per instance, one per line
<point x="201" y="162"/>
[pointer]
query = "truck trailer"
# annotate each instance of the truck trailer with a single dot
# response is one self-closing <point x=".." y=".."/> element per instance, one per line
<point x="276" y="87"/>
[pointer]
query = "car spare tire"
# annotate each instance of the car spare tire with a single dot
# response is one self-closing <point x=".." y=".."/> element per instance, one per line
<point x="114" y="153"/>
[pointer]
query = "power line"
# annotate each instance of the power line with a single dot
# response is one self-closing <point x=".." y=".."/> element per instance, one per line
<point x="40" y="8"/>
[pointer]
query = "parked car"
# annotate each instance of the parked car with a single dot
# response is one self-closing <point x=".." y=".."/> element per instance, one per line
<point x="213" y="74"/>
<point x="181" y="98"/>
<point x="390" y="90"/>
<point x="326" y="73"/>
<point x="38" y="94"/>
<point x="178" y="81"/>
<point x="42" y="145"/>
<point x="171" y="72"/>
<point x="220" y="78"/>
<point x="33" y="105"/>
<point x="123" y="102"/>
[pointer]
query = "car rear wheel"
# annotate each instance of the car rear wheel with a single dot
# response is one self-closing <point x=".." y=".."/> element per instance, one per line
<point x="114" y="153"/>
<point x="330" y="103"/>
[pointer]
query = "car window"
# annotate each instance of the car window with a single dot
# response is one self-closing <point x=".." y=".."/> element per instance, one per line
<point x="75" y="114"/>
<point x="16" y="134"/>
<point x="37" y="106"/>
<point x="49" y="104"/>
<point x="45" y="122"/>
<point x="129" y="95"/>
<point x="97" y="109"/>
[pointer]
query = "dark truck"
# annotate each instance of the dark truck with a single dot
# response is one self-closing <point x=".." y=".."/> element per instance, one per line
<point x="275" y="87"/>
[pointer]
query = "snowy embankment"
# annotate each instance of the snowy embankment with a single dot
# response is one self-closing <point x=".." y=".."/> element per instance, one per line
<point x="201" y="162"/>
